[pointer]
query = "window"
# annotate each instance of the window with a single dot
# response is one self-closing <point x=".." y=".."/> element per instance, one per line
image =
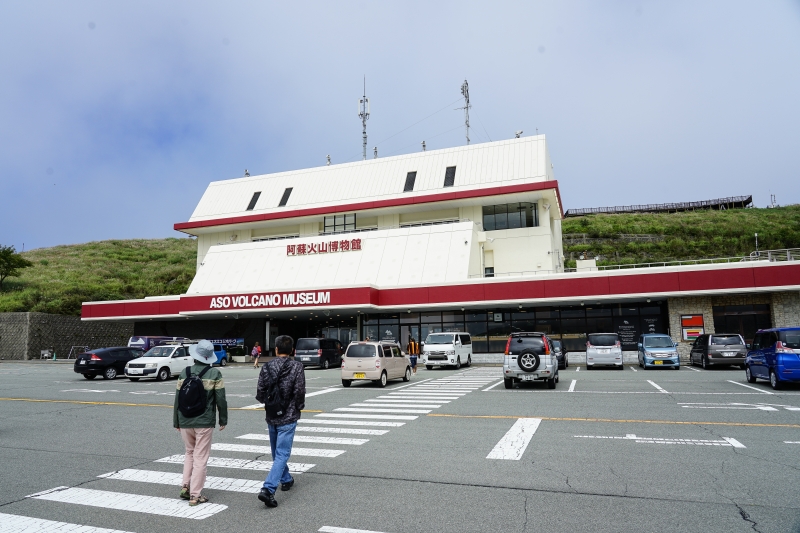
<point x="411" y="177"/>
<point x="339" y="223"/>
<point x="488" y="272"/>
<point x="510" y="216"/>
<point x="465" y="340"/>
<point x="285" y="197"/>
<point x="450" y="176"/>
<point x="253" y="201"/>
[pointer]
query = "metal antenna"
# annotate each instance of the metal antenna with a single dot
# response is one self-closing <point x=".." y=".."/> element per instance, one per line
<point x="467" y="106"/>
<point x="363" y="114"/>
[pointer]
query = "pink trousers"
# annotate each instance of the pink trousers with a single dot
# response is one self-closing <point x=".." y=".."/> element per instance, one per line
<point x="198" y="447"/>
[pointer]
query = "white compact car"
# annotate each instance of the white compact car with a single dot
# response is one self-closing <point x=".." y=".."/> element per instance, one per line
<point x="447" y="349"/>
<point x="160" y="362"/>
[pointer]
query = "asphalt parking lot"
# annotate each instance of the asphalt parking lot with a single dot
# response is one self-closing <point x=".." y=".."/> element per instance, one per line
<point x="608" y="450"/>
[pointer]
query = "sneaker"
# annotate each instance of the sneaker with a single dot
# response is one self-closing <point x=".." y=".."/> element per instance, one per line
<point x="287" y="486"/>
<point x="267" y="497"/>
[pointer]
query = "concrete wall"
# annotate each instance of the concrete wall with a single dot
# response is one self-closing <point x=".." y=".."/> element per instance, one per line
<point x="24" y="335"/>
<point x="785" y="309"/>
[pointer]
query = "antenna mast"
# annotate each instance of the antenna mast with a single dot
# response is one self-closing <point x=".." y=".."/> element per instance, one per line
<point x="363" y="114"/>
<point x="465" y="92"/>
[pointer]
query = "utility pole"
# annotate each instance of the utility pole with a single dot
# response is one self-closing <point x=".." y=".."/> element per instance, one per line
<point x="363" y="114"/>
<point x="467" y="106"/>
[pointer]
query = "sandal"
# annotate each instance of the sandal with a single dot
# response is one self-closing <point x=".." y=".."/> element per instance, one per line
<point x="196" y="500"/>
<point x="185" y="493"/>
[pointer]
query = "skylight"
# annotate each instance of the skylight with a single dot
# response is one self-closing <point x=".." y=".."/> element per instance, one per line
<point x="253" y="201"/>
<point x="410" y="179"/>
<point x="285" y="197"/>
<point x="450" y="176"/>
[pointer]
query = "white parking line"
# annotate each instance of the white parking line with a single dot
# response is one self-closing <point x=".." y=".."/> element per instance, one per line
<point x="692" y="368"/>
<point x="791" y="442"/>
<point x="352" y="423"/>
<point x="749" y="387"/>
<point x="514" y="442"/>
<point x="744" y="406"/>
<point x="249" y="448"/>
<point x="372" y="417"/>
<point x="308" y="438"/>
<point x="351" y="431"/>
<point x="656" y="386"/>
<point x="633" y="369"/>
<point x="10" y="523"/>
<point x="360" y="410"/>
<point x="577" y="369"/>
<point x="242" y="464"/>
<point x="175" y="479"/>
<point x="323" y="391"/>
<point x="493" y="386"/>
<point x="572" y="385"/>
<point x="130" y="502"/>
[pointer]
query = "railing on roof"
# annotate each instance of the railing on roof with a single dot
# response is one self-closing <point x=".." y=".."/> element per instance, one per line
<point x="730" y="202"/>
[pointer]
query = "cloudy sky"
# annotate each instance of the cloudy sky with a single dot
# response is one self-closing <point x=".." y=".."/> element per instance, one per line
<point x="114" y="116"/>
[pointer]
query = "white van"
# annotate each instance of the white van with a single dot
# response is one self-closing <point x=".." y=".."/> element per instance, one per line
<point x="452" y="348"/>
<point x="160" y="362"/>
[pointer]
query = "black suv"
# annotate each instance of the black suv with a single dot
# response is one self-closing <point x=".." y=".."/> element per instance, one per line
<point x="324" y="353"/>
<point x="530" y="357"/>
<point x="106" y="362"/>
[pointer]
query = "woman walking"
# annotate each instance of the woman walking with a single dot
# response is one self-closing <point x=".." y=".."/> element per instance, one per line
<point x="255" y="354"/>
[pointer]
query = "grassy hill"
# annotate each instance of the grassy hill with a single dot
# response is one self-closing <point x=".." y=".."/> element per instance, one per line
<point x="64" y="276"/>
<point x="652" y="237"/>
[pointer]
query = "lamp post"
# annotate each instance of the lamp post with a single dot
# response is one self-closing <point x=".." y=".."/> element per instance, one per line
<point x="757" y="254"/>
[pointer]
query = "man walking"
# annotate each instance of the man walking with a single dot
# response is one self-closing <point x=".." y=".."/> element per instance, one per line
<point x="413" y="352"/>
<point x="282" y="378"/>
<point x="196" y="431"/>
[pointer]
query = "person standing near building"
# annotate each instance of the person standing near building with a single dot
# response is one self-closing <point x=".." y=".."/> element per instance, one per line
<point x="197" y="430"/>
<point x="288" y="376"/>
<point x="255" y="354"/>
<point x="413" y="353"/>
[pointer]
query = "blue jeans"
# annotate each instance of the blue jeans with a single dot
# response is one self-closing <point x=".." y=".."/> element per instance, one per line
<point x="280" y="441"/>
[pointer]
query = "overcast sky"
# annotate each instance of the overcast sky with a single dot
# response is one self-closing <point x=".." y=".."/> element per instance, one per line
<point x="114" y="116"/>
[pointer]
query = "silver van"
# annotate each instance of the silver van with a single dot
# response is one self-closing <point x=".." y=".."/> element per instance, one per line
<point x="604" y="349"/>
<point x="452" y="348"/>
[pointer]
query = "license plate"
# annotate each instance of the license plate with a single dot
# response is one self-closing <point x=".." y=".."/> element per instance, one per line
<point x="359" y="375"/>
<point x="305" y="359"/>
<point x="603" y="351"/>
<point x="528" y="378"/>
<point x="658" y="362"/>
<point x="82" y="362"/>
<point x="728" y="354"/>
<point x="134" y="371"/>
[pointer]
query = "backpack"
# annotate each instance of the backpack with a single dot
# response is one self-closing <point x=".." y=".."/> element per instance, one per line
<point x="192" y="394"/>
<point x="274" y="403"/>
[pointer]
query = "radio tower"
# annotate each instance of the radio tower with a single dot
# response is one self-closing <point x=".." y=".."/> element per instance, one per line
<point x="465" y="92"/>
<point x="363" y="114"/>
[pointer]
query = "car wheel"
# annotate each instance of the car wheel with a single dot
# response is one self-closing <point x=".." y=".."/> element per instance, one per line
<point x="528" y="361"/>
<point x="458" y="363"/>
<point x="749" y="375"/>
<point x="589" y="367"/>
<point x="407" y="376"/>
<point x="134" y="379"/>
<point x="640" y="363"/>
<point x="566" y="361"/>
<point x="110" y="373"/>
<point x="163" y="374"/>
<point x="469" y="361"/>
<point x="382" y="381"/>
<point x="551" y="383"/>
<point x="223" y="361"/>
<point x="346" y="382"/>
<point x="622" y="367"/>
<point x="89" y="376"/>
<point x="325" y="364"/>
<point x="557" y="377"/>
<point x="704" y="362"/>
<point x="508" y="383"/>
<point x="774" y="380"/>
<point x="429" y="367"/>
<point x="677" y="367"/>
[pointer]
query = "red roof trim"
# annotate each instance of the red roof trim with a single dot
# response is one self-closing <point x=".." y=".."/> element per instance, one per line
<point x="394" y="202"/>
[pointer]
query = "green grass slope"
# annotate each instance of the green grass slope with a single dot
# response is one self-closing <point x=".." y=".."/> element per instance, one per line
<point x="65" y="276"/>
<point x="688" y="235"/>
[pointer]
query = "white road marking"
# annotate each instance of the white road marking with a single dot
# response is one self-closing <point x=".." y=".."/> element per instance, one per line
<point x="401" y="404"/>
<point x="351" y="431"/>
<point x="352" y="423"/>
<point x="242" y="464"/>
<point x="331" y="529"/>
<point x="411" y="384"/>
<point x="361" y="410"/>
<point x="10" y="523"/>
<point x="373" y="417"/>
<point x="791" y="442"/>
<point x="423" y="394"/>
<point x="249" y="448"/>
<point x="577" y="369"/>
<point x="130" y="502"/>
<point x="308" y="438"/>
<point x="657" y="387"/>
<point x="175" y="479"/>
<point x="572" y="385"/>
<point x="493" y="386"/>
<point x="88" y="390"/>
<point x="692" y="368"/>
<point x="633" y="369"/>
<point x="411" y="401"/>
<point x="323" y="391"/>
<point x="514" y="442"/>
<point x="418" y="398"/>
<point x="743" y="406"/>
<point x="726" y="441"/>
<point x="440" y="390"/>
<point x="749" y="387"/>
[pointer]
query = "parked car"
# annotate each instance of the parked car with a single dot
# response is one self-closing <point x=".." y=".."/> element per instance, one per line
<point x="325" y="353"/>
<point x="106" y="362"/>
<point x="603" y="349"/>
<point x="452" y="348"/>
<point x="718" y="349"/>
<point x="561" y="355"/>
<point x="658" y="351"/>
<point x="530" y="357"/>
<point x="222" y="355"/>
<point x="160" y="362"/>
<point x="775" y="355"/>
<point x="376" y="361"/>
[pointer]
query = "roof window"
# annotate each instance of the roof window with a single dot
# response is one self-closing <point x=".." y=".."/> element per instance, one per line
<point x="450" y="176"/>
<point x="411" y="177"/>
<point x="253" y="200"/>
<point x="285" y="197"/>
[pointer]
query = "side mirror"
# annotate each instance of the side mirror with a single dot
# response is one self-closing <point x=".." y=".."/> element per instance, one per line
<point x="674" y="344"/>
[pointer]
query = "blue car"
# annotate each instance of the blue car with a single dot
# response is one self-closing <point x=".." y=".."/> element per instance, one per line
<point x="658" y="351"/>
<point x="774" y="355"/>
<point x="222" y="355"/>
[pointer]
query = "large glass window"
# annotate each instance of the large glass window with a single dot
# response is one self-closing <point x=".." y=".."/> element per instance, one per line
<point x="339" y="223"/>
<point x="510" y="216"/>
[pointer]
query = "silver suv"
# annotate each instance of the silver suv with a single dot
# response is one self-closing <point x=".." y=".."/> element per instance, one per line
<point x="530" y="357"/>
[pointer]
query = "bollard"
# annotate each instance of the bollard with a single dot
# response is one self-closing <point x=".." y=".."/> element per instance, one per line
<point x="54" y="356"/>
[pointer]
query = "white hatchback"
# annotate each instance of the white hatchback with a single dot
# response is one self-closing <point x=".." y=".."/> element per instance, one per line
<point x="160" y="362"/>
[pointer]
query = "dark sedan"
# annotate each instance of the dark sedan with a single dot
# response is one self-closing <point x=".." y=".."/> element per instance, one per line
<point x="106" y="362"/>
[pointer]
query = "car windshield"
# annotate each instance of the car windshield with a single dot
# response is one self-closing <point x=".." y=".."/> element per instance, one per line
<point x="657" y="342"/>
<point x="791" y="339"/>
<point x="361" y="350"/>
<point x="308" y="344"/>
<point x="159" y="351"/>
<point x="439" y="338"/>
<point x="725" y="340"/>
<point x="603" y="339"/>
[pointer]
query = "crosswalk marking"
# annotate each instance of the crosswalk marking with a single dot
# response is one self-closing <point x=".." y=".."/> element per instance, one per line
<point x="249" y="448"/>
<point x="352" y="423"/>
<point x="308" y="438"/>
<point x="437" y="390"/>
<point x="171" y="478"/>
<point x="361" y="410"/>
<point x="422" y="394"/>
<point x="373" y="417"/>
<point x="331" y="529"/>
<point x="241" y="464"/>
<point x="514" y="442"/>
<point x="352" y="431"/>
<point x="130" y="502"/>
<point x="10" y="523"/>
<point x="401" y="404"/>
<point x="390" y="401"/>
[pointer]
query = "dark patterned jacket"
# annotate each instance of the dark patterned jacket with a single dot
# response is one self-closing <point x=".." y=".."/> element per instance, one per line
<point x="292" y="385"/>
